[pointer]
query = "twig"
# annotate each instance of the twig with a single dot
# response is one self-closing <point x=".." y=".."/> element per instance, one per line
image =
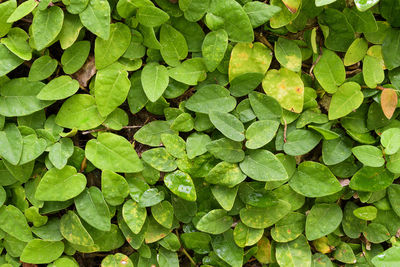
<point x="350" y="72"/>
<point x="260" y="37"/>
<point x="284" y="130"/>
<point x="94" y="131"/>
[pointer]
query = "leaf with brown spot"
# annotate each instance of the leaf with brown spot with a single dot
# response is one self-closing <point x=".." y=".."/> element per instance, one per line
<point x="388" y="102"/>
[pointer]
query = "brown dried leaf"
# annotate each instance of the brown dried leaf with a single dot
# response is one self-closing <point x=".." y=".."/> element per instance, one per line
<point x="86" y="72"/>
<point x="388" y="102"/>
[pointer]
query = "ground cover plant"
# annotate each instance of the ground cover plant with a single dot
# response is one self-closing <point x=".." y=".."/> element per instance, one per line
<point x="199" y="133"/>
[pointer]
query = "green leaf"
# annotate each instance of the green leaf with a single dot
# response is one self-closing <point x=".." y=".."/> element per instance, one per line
<point x="390" y="140"/>
<point x="151" y="197"/>
<point x="209" y="98"/>
<point x="108" y="50"/>
<point x="336" y="150"/>
<point x="70" y="31"/>
<point x="80" y="112"/>
<point x="365" y="5"/>
<point x="225" y="196"/>
<point x="215" y="222"/>
<point x="9" y="61"/>
<point x="189" y="72"/>
<point x="288" y="54"/>
<point x="246" y="236"/>
<point x="114" y="187"/>
<point x="196" y="144"/>
<point x="163" y="213"/>
<point x="111" y="89"/>
<point x="60" y="185"/>
<point x="226" y="150"/>
<point x="59" y="88"/>
<point x="373" y="71"/>
<point x="72" y="230"/>
<point x="226" y="174"/>
<point x="150" y="134"/>
<point x="369" y="155"/>
<point x="330" y="71"/>
<point x="46" y="25"/>
<point x="260" y="218"/>
<point x="356" y="52"/>
<point x="166" y="258"/>
<point x="214" y="47"/>
<point x="249" y="58"/>
<point x="290" y="91"/>
<point x="75" y="56"/>
<point x="393" y="192"/>
<point x="33" y="147"/>
<point x="262" y="165"/>
<point x="159" y="159"/>
<point x="92" y="207"/>
<point x="173" y="45"/>
<point x="116" y="260"/>
<point x="151" y="16"/>
<point x="77" y="6"/>
<point x="42" y="68"/>
<point x="370" y="179"/>
<point x="295" y="253"/>
<point x="233" y="19"/>
<point x="154" y="81"/>
<point x="113" y="152"/>
<point x="196" y="241"/>
<point x="12" y="144"/>
<point x="174" y="144"/>
<point x="313" y="179"/>
<point x="13" y="222"/>
<point x="194" y="9"/>
<point x="16" y="42"/>
<point x="322" y="220"/>
<point x="134" y="215"/>
<point x="96" y="18"/>
<point x="300" y="142"/>
<point x="367" y="213"/>
<point x="181" y="184"/>
<point x="225" y="247"/>
<point x="6" y="10"/>
<point x="259" y="12"/>
<point x="228" y="125"/>
<point x="260" y="133"/>
<point x="347" y="98"/>
<point x="265" y="107"/>
<point x="39" y="251"/>
<point x="289" y="227"/>
<point x="389" y="257"/>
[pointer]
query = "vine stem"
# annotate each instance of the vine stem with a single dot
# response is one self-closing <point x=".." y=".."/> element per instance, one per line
<point x="184" y="250"/>
<point x="106" y="129"/>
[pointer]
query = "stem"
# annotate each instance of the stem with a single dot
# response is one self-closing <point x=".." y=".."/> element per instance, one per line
<point x="184" y="250"/>
<point x="264" y="40"/>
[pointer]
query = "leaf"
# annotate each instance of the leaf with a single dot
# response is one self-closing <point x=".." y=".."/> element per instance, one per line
<point x="13" y="222"/>
<point x="227" y="250"/>
<point x="166" y="258"/>
<point x="33" y="147"/>
<point x="114" y="187"/>
<point x="291" y="89"/>
<point x="347" y="98"/>
<point x="151" y="197"/>
<point x="174" y="145"/>
<point x="12" y="144"/>
<point x="356" y="52"/>
<point x="226" y="174"/>
<point x="393" y="192"/>
<point x="60" y="185"/>
<point x="367" y="213"/>
<point x="134" y="215"/>
<point x="336" y="150"/>
<point x="150" y="134"/>
<point x="214" y="222"/>
<point x="364" y="5"/>
<point x="313" y="179"/>
<point x="80" y="112"/>
<point x="194" y="10"/>
<point x="300" y="142"/>
<point x="92" y="207"/>
<point x="151" y="16"/>
<point x="108" y="50"/>
<point x="233" y="19"/>
<point x="294" y="253"/>
<point x="226" y="150"/>
<point x="228" y="125"/>
<point x="265" y="107"/>
<point x="116" y="260"/>
<point x="96" y="18"/>
<point x="113" y="152"/>
<point x="389" y="257"/>
<point x="368" y="155"/>
<point x="111" y="89"/>
<point x="73" y="231"/>
<point x="390" y="140"/>
<point x="370" y="179"/>
<point x="196" y="144"/>
<point x="154" y="81"/>
<point x="322" y="220"/>
<point x="211" y="97"/>
<point x="249" y="58"/>
<point x="181" y="184"/>
<point x="288" y="12"/>
<point x="260" y="218"/>
<point x="373" y="71"/>
<point x="9" y="61"/>
<point x="74" y="57"/>
<point x="196" y="241"/>
<point x="77" y="6"/>
<point x="214" y="47"/>
<point x="16" y="42"/>
<point x="59" y="88"/>
<point x="262" y="165"/>
<point x="159" y="159"/>
<point x="163" y="213"/>
<point x="39" y="251"/>
<point x="46" y="25"/>
<point x="245" y="236"/>
<point x="173" y="45"/>
<point x="260" y="13"/>
<point x="72" y="26"/>
<point x="288" y="228"/>
<point x="288" y="54"/>
<point x="6" y="10"/>
<point x="319" y="3"/>
<point x="330" y="71"/>
<point x="42" y="68"/>
<point x="189" y="72"/>
<point x="260" y="133"/>
<point x="388" y="102"/>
